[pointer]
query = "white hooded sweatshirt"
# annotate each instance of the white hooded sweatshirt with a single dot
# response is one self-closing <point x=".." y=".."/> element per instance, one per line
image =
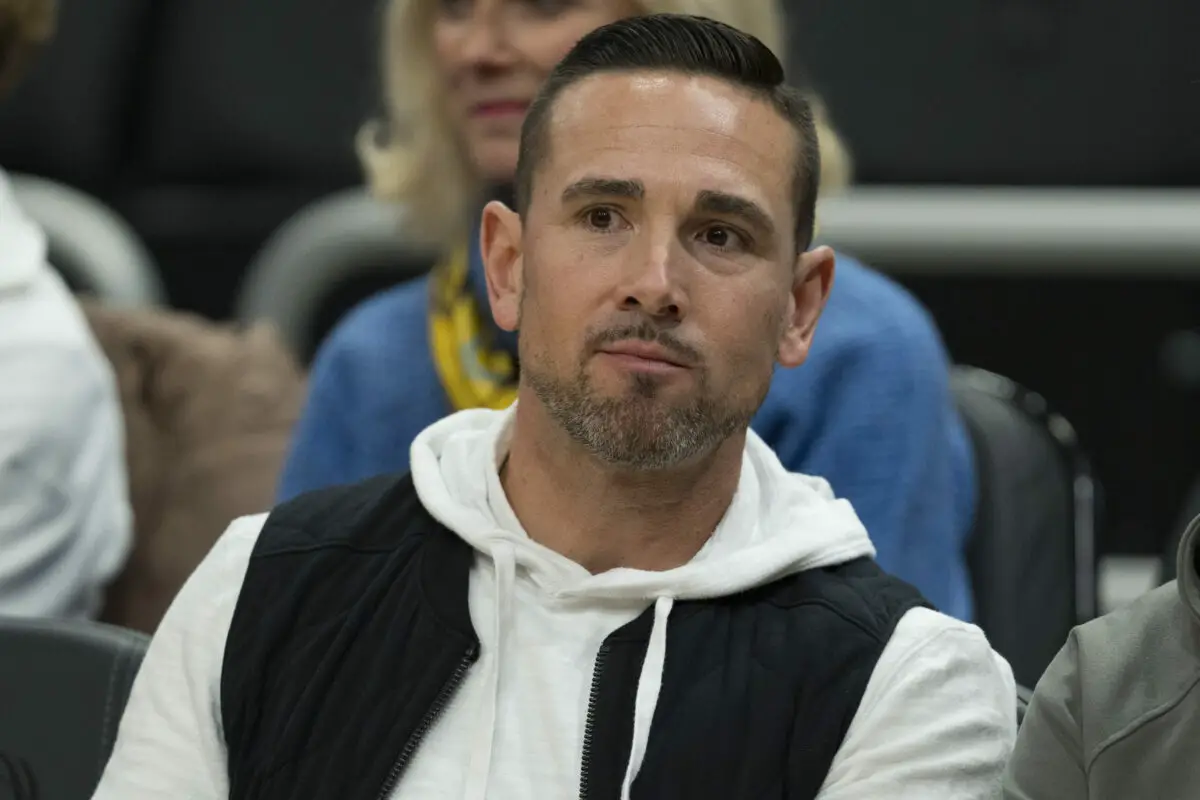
<point x="66" y="527"/>
<point x="936" y="722"/>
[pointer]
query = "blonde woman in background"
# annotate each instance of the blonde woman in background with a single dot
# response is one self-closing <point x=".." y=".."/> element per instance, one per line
<point x="870" y="411"/>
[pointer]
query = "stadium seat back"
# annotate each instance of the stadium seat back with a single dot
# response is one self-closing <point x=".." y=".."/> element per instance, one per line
<point x="1032" y="549"/>
<point x="331" y="255"/>
<point x="97" y="252"/>
<point x="63" y="687"/>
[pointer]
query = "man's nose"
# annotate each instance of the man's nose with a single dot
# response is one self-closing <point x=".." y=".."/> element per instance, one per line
<point x="653" y="283"/>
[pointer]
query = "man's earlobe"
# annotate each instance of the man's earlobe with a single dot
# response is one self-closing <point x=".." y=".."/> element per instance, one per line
<point x="500" y="248"/>
<point x="810" y="291"/>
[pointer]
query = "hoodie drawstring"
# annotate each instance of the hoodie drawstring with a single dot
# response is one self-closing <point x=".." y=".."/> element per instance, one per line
<point x="649" y="685"/>
<point x="479" y="766"/>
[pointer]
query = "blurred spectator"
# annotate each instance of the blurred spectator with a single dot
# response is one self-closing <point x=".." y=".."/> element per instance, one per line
<point x="65" y="521"/>
<point x="1117" y="715"/>
<point x="870" y="411"/>
<point x="209" y="410"/>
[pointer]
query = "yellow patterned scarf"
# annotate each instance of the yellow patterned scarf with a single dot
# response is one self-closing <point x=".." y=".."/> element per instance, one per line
<point x="474" y="373"/>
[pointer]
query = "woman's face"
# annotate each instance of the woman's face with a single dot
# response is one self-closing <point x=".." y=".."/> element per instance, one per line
<point x="493" y="56"/>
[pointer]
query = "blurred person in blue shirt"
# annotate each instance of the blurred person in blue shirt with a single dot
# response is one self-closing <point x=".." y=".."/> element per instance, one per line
<point x="870" y="411"/>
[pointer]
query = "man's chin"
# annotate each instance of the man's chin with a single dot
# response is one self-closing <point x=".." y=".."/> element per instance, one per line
<point x="648" y="389"/>
<point x="643" y="400"/>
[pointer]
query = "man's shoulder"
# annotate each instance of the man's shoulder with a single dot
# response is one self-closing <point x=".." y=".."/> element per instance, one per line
<point x="873" y="334"/>
<point x="365" y="516"/>
<point x="382" y="323"/>
<point x="44" y="321"/>
<point x="858" y="595"/>
<point x="50" y="353"/>
<point x="856" y="618"/>
<point x="1153" y="643"/>
<point x="1156" y="617"/>
<point x="867" y="309"/>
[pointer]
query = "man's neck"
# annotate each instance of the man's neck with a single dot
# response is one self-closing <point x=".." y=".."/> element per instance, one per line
<point x="603" y="517"/>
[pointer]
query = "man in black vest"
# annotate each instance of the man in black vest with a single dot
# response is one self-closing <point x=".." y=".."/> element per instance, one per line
<point x="612" y="589"/>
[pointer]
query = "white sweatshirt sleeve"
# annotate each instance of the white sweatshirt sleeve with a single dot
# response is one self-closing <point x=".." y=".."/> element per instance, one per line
<point x="170" y="743"/>
<point x="936" y="722"/>
<point x="66" y="527"/>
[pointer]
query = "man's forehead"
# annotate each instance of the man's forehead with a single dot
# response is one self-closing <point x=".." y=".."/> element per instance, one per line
<point x="625" y="122"/>
<point x="632" y="99"/>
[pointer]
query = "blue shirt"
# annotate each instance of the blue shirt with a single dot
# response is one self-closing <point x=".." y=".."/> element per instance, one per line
<point x="870" y="411"/>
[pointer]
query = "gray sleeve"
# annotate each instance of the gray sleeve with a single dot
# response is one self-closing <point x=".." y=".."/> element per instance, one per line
<point x="1047" y="762"/>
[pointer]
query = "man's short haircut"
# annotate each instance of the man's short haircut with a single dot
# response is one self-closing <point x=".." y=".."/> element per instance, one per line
<point x="691" y="46"/>
<point x="25" y="25"/>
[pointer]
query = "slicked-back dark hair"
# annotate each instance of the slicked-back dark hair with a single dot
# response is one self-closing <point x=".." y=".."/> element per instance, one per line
<point x="692" y="46"/>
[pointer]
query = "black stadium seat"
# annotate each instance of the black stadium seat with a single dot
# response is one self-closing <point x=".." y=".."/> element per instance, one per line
<point x="332" y="255"/>
<point x="94" y="250"/>
<point x="1032" y="551"/>
<point x="63" y="688"/>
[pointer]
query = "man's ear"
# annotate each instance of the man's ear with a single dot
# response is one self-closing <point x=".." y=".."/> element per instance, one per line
<point x="813" y="278"/>
<point x="500" y="248"/>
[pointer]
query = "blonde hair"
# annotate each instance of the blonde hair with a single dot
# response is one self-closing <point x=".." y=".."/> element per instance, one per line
<point x="25" y="25"/>
<point x="413" y="158"/>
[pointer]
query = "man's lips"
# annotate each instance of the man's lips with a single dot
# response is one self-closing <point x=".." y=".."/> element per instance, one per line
<point x="648" y="352"/>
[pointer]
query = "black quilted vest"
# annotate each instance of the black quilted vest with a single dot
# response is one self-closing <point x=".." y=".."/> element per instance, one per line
<point x="352" y="633"/>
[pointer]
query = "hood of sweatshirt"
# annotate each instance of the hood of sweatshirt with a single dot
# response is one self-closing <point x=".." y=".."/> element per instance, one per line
<point x="22" y="243"/>
<point x="779" y="523"/>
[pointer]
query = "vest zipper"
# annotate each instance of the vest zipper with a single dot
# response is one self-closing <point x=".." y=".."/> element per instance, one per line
<point x="431" y="716"/>
<point x="585" y="762"/>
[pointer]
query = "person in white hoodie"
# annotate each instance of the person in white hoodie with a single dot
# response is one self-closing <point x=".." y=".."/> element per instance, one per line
<point x="612" y="589"/>
<point x="65" y="520"/>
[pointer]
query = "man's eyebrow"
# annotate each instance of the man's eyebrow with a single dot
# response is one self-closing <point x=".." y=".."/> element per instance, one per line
<point x="604" y="187"/>
<point x="731" y="205"/>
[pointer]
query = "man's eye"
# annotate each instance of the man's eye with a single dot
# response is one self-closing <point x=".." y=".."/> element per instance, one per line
<point x="601" y="219"/>
<point x="717" y="236"/>
<point x="722" y="237"/>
